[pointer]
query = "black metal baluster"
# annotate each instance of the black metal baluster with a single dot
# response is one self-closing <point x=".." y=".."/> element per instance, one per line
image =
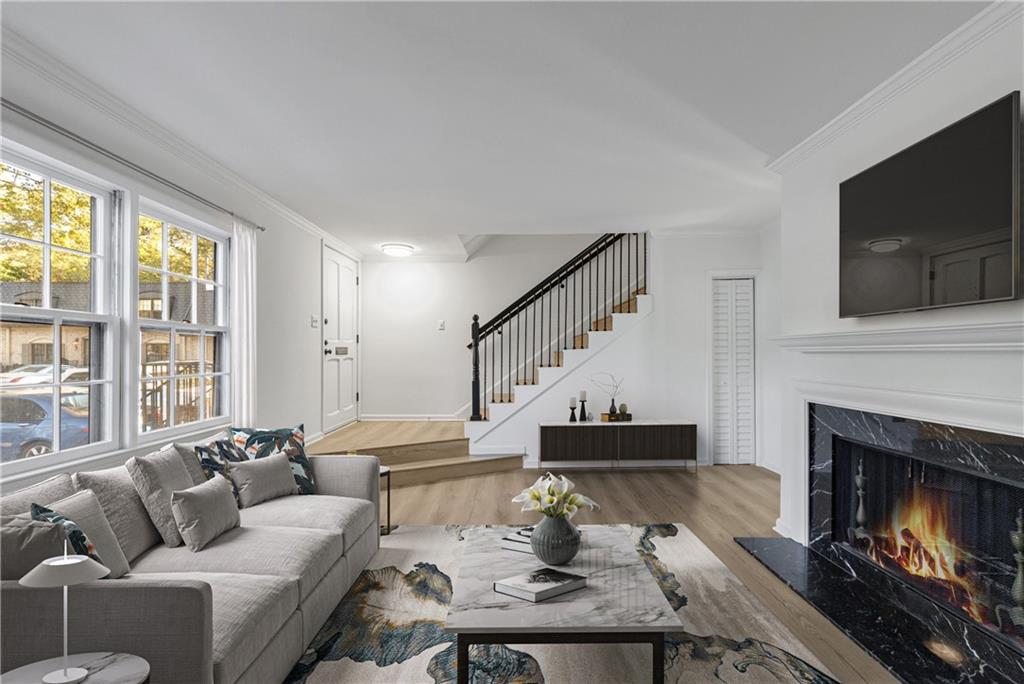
<point x="574" y="309"/>
<point x="645" y="263"/>
<point x="533" y="342"/>
<point x="637" y="236"/>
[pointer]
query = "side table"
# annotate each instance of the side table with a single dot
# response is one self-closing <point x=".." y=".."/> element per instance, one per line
<point x="104" y="668"/>
<point x="385" y="472"/>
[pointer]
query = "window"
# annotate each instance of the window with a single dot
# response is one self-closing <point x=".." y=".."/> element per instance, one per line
<point x="78" y="271"/>
<point x="47" y="241"/>
<point x="180" y="324"/>
<point x="55" y="382"/>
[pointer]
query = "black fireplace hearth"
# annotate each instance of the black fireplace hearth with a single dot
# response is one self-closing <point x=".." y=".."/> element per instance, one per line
<point x="916" y="544"/>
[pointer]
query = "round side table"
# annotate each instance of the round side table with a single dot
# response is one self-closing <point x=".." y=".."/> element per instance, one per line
<point x="104" y="668"/>
<point x="385" y="472"/>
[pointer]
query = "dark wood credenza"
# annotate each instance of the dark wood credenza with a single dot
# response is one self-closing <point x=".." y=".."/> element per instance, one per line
<point x="636" y="443"/>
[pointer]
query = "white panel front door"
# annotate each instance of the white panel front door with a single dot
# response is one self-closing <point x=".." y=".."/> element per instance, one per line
<point x="732" y="370"/>
<point x="340" y="358"/>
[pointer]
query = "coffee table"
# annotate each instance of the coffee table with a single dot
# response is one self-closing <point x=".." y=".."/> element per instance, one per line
<point x="620" y="604"/>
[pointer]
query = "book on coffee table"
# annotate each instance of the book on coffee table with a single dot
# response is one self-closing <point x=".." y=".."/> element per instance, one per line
<point x="518" y="540"/>
<point x="540" y="584"/>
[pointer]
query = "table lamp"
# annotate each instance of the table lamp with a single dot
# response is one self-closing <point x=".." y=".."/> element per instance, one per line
<point x="64" y="571"/>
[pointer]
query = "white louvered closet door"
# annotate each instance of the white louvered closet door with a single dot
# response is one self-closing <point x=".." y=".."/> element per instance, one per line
<point x="732" y="370"/>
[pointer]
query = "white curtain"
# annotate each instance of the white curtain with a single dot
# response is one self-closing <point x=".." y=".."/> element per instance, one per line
<point x="243" y="324"/>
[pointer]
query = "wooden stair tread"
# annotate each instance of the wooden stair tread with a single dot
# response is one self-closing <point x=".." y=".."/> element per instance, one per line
<point x="455" y="460"/>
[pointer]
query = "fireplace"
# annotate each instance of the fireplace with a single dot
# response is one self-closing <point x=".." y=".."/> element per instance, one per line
<point x="916" y="543"/>
<point x="950" y="534"/>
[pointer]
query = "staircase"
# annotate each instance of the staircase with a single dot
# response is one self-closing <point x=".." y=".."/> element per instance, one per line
<point x="547" y="335"/>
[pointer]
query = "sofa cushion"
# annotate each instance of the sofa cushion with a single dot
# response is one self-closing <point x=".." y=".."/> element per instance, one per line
<point x="248" y="610"/>
<point x="84" y="508"/>
<point x="187" y="450"/>
<point x="25" y="543"/>
<point x="204" y="512"/>
<point x="302" y="554"/>
<point x="262" y="479"/>
<point x="45" y="492"/>
<point x="155" y="476"/>
<point x="122" y="506"/>
<point x="342" y="514"/>
<point x="260" y="443"/>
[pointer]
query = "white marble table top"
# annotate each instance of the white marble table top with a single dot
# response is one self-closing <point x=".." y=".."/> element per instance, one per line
<point x="625" y="423"/>
<point x="620" y="596"/>
<point x="104" y="668"/>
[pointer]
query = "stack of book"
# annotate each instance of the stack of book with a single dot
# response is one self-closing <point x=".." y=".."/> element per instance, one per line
<point x="518" y="540"/>
<point x="540" y="584"/>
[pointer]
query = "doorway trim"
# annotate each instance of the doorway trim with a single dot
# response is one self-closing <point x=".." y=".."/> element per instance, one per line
<point x="347" y="251"/>
<point x="709" y="398"/>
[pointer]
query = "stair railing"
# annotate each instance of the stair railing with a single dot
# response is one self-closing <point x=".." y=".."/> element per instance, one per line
<point x="555" y="315"/>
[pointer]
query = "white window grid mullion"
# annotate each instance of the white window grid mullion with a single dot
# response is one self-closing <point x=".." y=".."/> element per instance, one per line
<point x="165" y="280"/>
<point x="45" y="285"/>
<point x="55" y="412"/>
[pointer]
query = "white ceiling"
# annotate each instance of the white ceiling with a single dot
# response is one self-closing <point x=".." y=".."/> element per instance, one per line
<point x="421" y="122"/>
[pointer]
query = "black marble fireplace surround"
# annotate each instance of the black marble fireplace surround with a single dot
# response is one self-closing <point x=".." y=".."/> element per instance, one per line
<point x="902" y="622"/>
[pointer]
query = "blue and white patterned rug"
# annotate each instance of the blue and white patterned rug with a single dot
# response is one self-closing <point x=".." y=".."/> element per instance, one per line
<point x="390" y="625"/>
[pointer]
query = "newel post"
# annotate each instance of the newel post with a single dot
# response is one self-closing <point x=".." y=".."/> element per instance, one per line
<point x="475" y="328"/>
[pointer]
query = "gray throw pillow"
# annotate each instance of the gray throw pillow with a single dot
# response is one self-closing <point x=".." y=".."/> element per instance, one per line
<point x="25" y="543"/>
<point x="52" y="489"/>
<point x="205" y="512"/>
<point x="84" y="508"/>
<point x="155" y="476"/>
<point x="262" y="479"/>
<point x="123" y="508"/>
<point x="189" y="458"/>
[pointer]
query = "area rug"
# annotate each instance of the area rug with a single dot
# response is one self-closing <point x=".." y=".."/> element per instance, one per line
<point x="390" y="625"/>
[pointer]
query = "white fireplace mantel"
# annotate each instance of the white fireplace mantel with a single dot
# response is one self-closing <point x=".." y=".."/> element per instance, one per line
<point x="986" y="337"/>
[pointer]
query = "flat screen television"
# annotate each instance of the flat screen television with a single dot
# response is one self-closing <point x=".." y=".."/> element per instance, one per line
<point x="937" y="224"/>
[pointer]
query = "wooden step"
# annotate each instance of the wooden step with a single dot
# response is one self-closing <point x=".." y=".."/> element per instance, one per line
<point x="580" y="342"/>
<point x="527" y="381"/>
<point x="628" y="306"/>
<point x="642" y="290"/>
<point x="602" y="324"/>
<point x="506" y="398"/>
<point x="425" y="472"/>
<point x="422" y="451"/>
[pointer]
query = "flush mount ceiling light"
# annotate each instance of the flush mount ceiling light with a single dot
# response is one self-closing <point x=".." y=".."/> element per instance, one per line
<point x="397" y="249"/>
<point x="885" y="245"/>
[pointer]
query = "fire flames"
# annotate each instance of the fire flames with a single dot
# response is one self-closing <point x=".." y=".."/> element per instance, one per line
<point x="920" y="542"/>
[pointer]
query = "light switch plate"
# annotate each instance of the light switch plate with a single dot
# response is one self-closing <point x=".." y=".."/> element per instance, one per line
<point x="440" y="325"/>
<point x="314" y="321"/>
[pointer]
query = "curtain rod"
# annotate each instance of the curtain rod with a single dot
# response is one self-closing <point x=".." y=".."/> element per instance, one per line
<point x="57" y="128"/>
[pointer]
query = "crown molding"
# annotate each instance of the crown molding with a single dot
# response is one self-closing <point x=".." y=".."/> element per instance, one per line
<point x="977" y="30"/>
<point x="19" y="50"/>
<point x="986" y="337"/>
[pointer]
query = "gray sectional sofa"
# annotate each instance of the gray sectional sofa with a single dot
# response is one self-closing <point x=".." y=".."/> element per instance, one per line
<point x="243" y="609"/>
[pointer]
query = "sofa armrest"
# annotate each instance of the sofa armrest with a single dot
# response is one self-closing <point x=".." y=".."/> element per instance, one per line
<point x="354" y="476"/>
<point x="169" y="622"/>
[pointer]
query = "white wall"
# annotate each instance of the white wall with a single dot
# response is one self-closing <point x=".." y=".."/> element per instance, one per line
<point x="410" y="369"/>
<point x="663" y="360"/>
<point x="951" y="84"/>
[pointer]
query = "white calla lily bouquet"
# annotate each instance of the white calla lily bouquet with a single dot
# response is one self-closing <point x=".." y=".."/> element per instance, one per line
<point x="553" y="496"/>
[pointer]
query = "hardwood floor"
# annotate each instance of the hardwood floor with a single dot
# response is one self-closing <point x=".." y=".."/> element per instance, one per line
<point x="386" y="433"/>
<point x="719" y="503"/>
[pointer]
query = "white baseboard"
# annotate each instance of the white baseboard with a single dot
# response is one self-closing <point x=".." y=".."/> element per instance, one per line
<point x="783" y="529"/>
<point x="314" y="438"/>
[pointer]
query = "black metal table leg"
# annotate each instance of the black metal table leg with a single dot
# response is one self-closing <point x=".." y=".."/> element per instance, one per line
<point x="462" y="659"/>
<point x="658" y="659"/>
<point x="386" y="472"/>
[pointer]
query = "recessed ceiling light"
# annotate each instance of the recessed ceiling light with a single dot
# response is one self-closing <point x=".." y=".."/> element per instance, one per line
<point x="397" y="249"/>
<point x="885" y="245"/>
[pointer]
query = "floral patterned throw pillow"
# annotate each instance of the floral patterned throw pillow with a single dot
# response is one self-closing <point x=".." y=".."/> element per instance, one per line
<point x="77" y="538"/>
<point x="260" y="443"/>
<point x="212" y="456"/>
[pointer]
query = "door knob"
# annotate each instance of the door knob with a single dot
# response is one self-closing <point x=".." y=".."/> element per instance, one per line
<point x="327" y="352"/>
